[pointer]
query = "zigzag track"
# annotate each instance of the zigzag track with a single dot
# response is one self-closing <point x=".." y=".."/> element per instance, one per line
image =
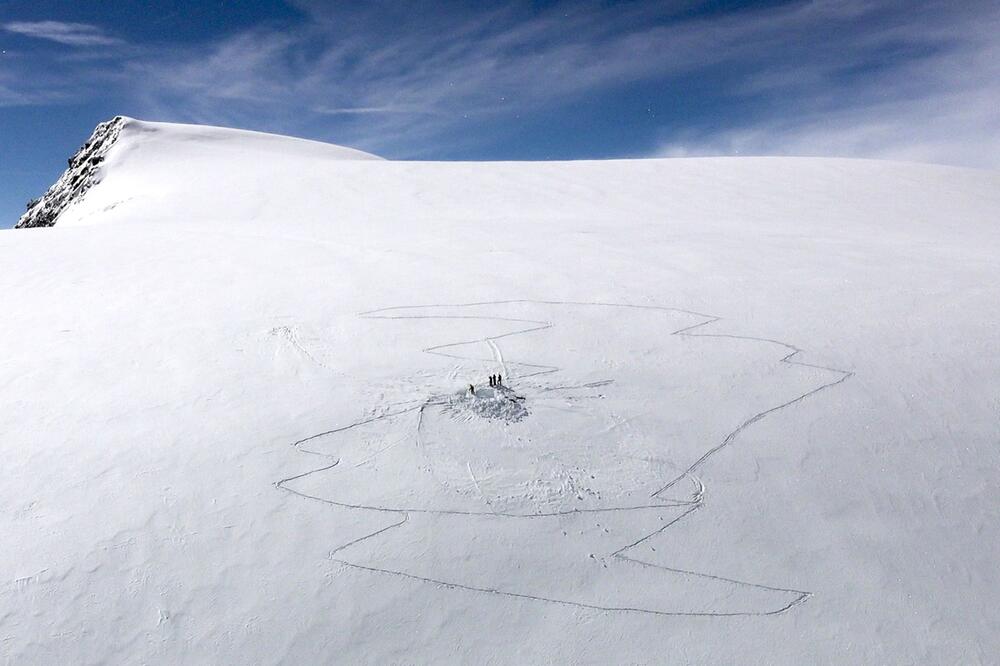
<point x="657" y="501"/>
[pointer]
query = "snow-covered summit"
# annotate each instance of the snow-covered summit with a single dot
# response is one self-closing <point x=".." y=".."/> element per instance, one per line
<point x="196" y="151"/>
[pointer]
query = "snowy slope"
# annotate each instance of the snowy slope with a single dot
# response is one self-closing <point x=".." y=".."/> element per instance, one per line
<point x="216" y="154"/>
<point x="749" y="415"/>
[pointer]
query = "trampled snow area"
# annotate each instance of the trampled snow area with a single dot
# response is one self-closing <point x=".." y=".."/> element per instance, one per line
<point x="750" y="411"/>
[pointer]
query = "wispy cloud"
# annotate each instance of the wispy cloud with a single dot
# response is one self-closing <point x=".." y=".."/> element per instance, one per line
<point x="854" y="78"/>
<point x="41" y="88"/>
<point x="72" y="34"/>
<point x="881" y="78"/>
<point x="940" y="103"/>
<point x="366" y="110"/>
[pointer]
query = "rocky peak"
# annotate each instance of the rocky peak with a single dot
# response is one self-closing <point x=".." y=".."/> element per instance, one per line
<point x="81" y="174"/>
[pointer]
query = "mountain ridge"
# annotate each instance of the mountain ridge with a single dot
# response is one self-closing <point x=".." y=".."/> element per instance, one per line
<point x="82" y="173"/>
<point x="85" y="166"/>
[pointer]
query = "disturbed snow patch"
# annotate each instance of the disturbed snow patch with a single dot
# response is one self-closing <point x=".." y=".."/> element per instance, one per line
<point x="498" y="403"/>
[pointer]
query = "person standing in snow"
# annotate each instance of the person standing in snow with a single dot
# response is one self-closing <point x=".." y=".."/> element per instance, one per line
<point x="472" y="390"/>
<point x="499" y="380"/>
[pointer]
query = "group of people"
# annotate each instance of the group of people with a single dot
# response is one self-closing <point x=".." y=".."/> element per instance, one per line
<point x="495" y="380"/>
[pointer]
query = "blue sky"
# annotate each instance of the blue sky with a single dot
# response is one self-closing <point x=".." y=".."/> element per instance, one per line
<point x="531" y="80"/>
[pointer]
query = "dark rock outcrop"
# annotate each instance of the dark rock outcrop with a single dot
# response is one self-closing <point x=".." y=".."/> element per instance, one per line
<point x="79" y="177"/>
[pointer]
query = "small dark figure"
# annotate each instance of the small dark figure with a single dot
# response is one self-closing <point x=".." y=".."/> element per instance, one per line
<point x="472" y="389"/>
<point x="491" y="380"/>
<point x="499" y="380"/>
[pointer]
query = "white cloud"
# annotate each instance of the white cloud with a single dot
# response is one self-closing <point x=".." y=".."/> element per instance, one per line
<point x="941" y="106"/>
<point x="72" y="34"/>
<point x="875" y="78"/>
<point x="404" y="88"/>
<point x="961" y="130"/>
<point x="398" y="87"/>
<point x="15" y="91"/>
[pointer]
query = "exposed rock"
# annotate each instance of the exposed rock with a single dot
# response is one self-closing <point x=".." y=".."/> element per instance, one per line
<point x="81" y="174"/>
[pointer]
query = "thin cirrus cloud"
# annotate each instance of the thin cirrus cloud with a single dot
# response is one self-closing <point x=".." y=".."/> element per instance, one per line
<point x="888" y="78"/>
<point x="71" y="34"/>
<point x="942" y="105"/>
<point x="473" y="69"/>
<point x="875" y="79"/>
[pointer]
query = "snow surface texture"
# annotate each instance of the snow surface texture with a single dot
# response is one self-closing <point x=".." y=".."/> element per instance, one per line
<point x="564" y="466"/>
<point x="810" y="478"/>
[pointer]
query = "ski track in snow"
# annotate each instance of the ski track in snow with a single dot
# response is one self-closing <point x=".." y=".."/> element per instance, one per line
<point x="291" y="336"/>
<point x="657" y="501"/>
